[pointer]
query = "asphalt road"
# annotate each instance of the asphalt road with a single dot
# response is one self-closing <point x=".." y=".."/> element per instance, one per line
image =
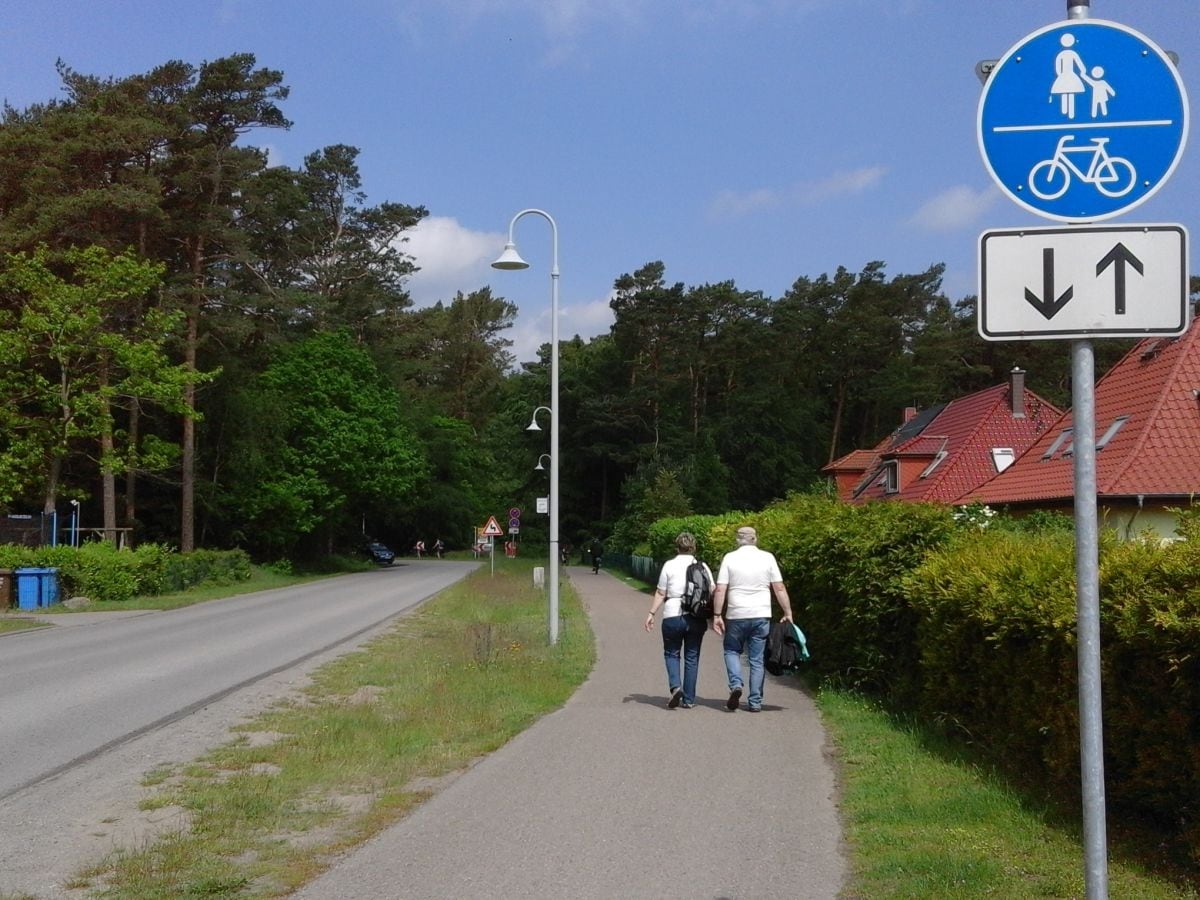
<point x="88" y="706"/>
<point x="616" y="796"/>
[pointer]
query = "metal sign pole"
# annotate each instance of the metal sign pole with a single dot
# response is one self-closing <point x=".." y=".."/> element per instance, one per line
<point x="1087" y="606"/>
<point x="1087" y="602"/>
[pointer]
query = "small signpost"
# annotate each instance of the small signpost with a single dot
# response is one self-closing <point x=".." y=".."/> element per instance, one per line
<point x="491" y="531"/>
<point x="1079" y="122"/>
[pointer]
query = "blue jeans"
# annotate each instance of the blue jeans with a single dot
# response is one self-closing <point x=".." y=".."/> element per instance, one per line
<point x="746" y="635"/>
<point x="686" y="633"/>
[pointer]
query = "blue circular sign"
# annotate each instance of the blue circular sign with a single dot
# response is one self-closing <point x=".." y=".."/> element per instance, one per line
<point x="1083" y="120"/>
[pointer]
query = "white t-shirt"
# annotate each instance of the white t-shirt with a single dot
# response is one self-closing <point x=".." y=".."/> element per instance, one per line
<point x="672" y="580"/>
<point x="747" y="573"/>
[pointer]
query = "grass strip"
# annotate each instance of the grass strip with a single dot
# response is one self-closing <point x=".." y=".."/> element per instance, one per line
<point x="261" y="579"/>
<point x="925" y="821"/>
<point x="365" y="744"/>
<point x="14" y="624"/>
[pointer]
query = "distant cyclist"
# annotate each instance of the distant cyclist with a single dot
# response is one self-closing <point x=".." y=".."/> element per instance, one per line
<point x="597" y="552"/>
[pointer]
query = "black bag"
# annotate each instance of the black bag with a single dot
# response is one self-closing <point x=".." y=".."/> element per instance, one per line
<point x="697" y="592"/>
<point x="786" y="648"/>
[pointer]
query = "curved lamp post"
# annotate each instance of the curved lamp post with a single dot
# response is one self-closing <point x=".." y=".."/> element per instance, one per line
<point x="539" y="467"/>
<point x="511" y="259"/>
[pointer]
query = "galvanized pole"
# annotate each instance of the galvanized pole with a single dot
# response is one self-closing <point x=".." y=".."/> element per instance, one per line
<point x="1087" y="605"/>
<point x="1087" y="601"/>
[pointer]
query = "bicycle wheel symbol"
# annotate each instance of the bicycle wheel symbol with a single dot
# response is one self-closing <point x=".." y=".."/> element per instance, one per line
<point x="1114" y="177"/>
<point x="1049" y="179"/>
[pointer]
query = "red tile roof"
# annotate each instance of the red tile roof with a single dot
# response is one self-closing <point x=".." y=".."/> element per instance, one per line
<point x="967" y="430"/>
<point x="1156" y="451"/>
<point x="855" y="460"/>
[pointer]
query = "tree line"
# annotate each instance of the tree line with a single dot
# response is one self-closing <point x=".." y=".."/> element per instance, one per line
<point x="211" y="350"/>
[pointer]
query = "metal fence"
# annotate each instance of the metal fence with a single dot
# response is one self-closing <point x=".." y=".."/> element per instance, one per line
<point x="644" y="568"/>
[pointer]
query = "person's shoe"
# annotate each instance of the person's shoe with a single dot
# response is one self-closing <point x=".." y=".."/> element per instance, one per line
<point x="754" y="708"/>
<point x="688" y="705"/>
<point x="676" y="696"/>
<point x="735" y="697"/>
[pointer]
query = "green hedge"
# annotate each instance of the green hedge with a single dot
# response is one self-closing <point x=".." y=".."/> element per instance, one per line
<point x="100" y="572"/>
<point x="969" y="621"/>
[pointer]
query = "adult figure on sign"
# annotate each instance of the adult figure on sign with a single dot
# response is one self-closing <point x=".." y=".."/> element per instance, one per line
<point x="1070" y="72"/>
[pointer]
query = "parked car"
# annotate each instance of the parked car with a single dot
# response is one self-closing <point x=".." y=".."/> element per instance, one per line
<point x="380" y="553"/>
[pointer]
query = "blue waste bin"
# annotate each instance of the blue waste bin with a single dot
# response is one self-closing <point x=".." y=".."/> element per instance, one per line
<point x="36" y="587"/>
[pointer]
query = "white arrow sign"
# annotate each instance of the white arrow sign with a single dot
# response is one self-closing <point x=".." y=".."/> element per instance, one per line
<point x="1046" y="283"/>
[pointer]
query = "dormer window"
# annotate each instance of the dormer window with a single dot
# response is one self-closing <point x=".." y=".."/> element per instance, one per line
<point x="1003" y="457"/>
<point x="937" y="461"/>
<point x="891" y="478"/>
<point x="1112" y="431"/>
<point x="1063" y="437"/>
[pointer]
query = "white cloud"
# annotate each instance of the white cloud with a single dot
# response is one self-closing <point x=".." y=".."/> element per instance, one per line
<point x="954" y="208"/>
<point x="586" y="319"/>
<point x="731" y="204"/>
<point x="274" y="155"/>
<point x="450" y="258"/>
<point x="454" y="258"/>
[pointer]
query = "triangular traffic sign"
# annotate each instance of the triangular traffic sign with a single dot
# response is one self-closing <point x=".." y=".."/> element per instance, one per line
<point x="492" y="528"/>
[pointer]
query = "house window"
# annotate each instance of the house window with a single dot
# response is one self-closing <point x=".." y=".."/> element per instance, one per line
<point x="1112" y="431"/>
<point x="891" y="478"/>
<point x="1058" y="442"/>
<point x="1003" y="457"/>
<point x="937" y="461"/>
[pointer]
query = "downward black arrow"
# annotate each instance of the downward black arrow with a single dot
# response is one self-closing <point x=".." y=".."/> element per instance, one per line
<point x="1119" y="255"/>
<point x="1048" y="307"/>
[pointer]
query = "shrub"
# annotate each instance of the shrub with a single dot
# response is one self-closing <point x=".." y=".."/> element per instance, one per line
<point x="101" y="572"/>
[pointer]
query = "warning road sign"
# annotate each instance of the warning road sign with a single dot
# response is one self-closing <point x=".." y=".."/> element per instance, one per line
<point x="492" y="528"/>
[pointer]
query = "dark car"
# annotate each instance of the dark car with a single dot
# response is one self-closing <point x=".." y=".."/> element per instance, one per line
<point x="381" y="553"/>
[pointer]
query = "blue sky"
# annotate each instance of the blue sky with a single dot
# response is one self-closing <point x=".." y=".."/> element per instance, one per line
<point x="753" y="140"/>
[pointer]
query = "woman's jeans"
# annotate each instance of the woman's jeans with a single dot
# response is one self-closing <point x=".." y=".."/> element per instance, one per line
<point x="748" y="635"/>
<point x="683" y="632"/>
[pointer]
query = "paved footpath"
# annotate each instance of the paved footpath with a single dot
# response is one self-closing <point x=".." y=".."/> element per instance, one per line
<point x="615" y="796"/>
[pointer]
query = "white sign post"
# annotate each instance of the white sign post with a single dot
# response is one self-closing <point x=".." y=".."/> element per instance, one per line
<point x="1079" y="122"/>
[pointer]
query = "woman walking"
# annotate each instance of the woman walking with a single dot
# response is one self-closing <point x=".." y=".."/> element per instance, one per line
<point x="679" y="631"/>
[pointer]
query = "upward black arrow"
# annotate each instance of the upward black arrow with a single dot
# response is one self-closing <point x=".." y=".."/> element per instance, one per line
<point x="1118" y="256"/>
<point x="1048" y="306"/>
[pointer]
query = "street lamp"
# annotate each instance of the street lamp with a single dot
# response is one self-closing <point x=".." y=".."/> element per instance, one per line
<point x="74" y="523"/>
<point x="511" y="259"/>
<point x="539" y="467"/>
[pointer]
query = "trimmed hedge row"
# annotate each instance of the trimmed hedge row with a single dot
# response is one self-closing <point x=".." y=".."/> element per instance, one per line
<point x="974" y="628"/>
<point x="99" y="571"/>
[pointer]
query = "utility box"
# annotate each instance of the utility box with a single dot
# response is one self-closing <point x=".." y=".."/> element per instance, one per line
<point x="8" y="594"/>
<point x="36" y="587"/>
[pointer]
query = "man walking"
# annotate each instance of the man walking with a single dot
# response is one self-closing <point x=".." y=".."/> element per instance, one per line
<point x="742" y="613"/>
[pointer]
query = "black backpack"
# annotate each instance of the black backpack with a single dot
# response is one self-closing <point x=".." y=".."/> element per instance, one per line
<point x="697" y="591"/>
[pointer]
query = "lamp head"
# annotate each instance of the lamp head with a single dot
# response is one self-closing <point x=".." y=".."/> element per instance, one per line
<point x="539" y="467"/>
<point x="510" y="258"/>
<point x="533" y="425"/>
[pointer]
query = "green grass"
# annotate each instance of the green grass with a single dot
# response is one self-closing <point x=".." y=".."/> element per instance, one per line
<point x="8" y="625"/>
<point x="308" y="779"/>
<point x="261" y="579"/>
<point x="924" y="820"/>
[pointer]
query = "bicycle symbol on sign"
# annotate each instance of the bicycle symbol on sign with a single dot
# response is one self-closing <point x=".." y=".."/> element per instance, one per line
<point x="1113" y="176"/>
